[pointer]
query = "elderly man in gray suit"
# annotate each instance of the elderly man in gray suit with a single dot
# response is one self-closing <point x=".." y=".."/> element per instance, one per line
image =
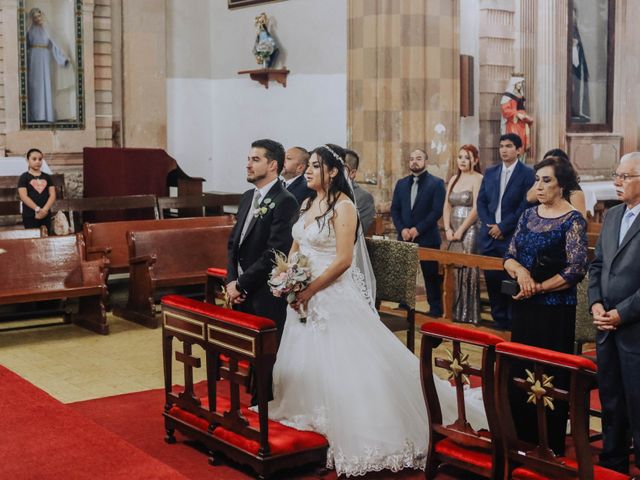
<point x="614" y="296"/>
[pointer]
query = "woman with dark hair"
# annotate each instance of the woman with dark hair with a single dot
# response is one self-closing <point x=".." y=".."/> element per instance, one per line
<point x="342" y="373"/>
<point x="573" y="193"/>
<point x="548" y="258"/>
<point x="460" y="218"/>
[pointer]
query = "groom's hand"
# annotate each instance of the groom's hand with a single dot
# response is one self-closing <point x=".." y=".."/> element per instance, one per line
<point x="235" y="296"/>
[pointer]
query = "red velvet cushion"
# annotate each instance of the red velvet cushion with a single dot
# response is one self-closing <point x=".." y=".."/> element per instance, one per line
<point x="547" y="356"/>
<point x="232" y="317"/>
<point x="479" y="458"/>
<point x="282" y="439"/>
<point x="455" y="332"/>
<point x="217" y="272"/>
<point x="599" y="473"/>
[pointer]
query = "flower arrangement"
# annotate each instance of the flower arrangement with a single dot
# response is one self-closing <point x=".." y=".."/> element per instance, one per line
<point x="262" y="210"/>
<point x="287" y="279"/>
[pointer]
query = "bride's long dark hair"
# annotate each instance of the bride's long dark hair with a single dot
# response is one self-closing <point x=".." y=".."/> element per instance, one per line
<point x="333" y="157"/>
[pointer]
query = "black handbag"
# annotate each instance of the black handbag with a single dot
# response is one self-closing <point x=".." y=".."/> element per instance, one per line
<point x="509" y="287"/>
<point x="547" y="266"/>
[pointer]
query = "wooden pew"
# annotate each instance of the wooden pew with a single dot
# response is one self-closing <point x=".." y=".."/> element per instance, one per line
<point x="52" y="268"/>
<point x="222" y="423"/>
<point x="110" y="238"/>
<point x="146" y="203"/>
<point x="17" y="233"/>
<point x="196" y="205"/>
<point x="169" y="258"/>
<point x="451" y="260"/>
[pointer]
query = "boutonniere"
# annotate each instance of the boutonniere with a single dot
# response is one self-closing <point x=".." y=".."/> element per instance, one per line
<point x="262" y="210"/>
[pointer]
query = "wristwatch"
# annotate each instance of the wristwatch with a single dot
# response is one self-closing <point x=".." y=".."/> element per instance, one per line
<point x="37" y="209"/>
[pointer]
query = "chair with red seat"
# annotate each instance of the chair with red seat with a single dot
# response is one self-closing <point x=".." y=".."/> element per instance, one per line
<point x="221" y="422"/>
<point x="527" y="460"/>
<point x="458" y="444"/>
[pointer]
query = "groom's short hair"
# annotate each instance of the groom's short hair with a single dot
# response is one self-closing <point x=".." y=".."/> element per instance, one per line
<point x="273" y="151"/>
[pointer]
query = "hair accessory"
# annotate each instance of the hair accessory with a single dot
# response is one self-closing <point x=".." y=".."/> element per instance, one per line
<point x="335" y="155"/>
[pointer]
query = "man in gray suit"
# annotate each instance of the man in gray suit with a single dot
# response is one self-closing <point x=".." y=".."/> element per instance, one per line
<point x="614" y="296"/>
<point x="364" y="200"/>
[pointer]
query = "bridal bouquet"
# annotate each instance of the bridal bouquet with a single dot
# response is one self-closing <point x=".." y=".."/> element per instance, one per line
<point x="287" y="279"/>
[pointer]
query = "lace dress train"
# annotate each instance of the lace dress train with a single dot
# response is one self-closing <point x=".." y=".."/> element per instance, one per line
<point x="345" y="375"/>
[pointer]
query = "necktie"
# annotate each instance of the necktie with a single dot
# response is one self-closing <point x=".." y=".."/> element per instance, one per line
<point x="414" y="190"/>
<point x="625" y="225"/>
<point x="254" y="204"/>
<point x="504" y="180"/>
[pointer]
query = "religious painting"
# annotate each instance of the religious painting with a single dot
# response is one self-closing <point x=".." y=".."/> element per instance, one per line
<point x="51" y="64"/>
<point x="244" y="3"/>
<point x="590" y="65"/>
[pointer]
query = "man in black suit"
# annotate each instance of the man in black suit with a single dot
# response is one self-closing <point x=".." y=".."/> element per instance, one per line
<point x="265" y="216"/>
<point x="614" y="296"/>
<point x="296" y="161"/>
<point x="416" y="208"/>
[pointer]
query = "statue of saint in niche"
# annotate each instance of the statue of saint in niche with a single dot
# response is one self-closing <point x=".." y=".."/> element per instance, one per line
<point x="45" y="86"/>
<point x="514" y="116"/>
<point x="580" y="111"/>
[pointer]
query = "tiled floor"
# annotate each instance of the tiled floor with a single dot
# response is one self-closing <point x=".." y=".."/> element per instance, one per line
<point x="73" y="364"/>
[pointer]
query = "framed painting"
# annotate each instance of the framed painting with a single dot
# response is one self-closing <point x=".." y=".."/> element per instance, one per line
<point x="244" y="3"/>
<point x="51" y="64"/>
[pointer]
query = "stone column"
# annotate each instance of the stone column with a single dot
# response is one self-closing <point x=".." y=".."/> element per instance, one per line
<point x="551" y="75"/>
<point x="497" y="61"/>
<point x="403" y="87"/>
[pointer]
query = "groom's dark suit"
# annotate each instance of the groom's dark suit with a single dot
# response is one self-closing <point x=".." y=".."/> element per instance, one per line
<point x="265" y="233"/>
<point x="614" y="281"/>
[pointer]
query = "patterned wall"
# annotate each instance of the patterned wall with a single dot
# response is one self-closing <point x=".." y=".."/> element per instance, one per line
<point x="3" y="124"/>
<point x="403" y="88"/>
<point x="102" y="57"/>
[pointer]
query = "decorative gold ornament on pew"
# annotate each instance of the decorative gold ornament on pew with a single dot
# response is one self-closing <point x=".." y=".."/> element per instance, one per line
<point x="456" y="366"/>
<point x="538" y="390"/>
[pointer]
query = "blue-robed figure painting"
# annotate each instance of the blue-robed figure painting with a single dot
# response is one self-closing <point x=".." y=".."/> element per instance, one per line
<point x="41" y="50"/>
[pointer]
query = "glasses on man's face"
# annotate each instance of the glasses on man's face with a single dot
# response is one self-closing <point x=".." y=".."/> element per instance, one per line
<point x="625" y="177"/>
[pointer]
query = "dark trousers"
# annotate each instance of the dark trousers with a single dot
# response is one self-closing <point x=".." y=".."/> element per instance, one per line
<point x="500" y="303"/>
<point x="619" y="384"/>
<point x="433" y="285"/>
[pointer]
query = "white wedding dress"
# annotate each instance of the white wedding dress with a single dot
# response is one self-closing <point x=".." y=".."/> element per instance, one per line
<point x="345" y="375"/>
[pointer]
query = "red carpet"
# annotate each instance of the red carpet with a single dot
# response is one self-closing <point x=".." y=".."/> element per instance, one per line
<point x="137" y="418"/>
<point x="45" y="439"/>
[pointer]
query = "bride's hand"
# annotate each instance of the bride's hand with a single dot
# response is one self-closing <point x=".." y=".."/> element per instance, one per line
<point x="302" y="298"/>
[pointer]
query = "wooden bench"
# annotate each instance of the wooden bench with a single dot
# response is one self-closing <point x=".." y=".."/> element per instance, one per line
<point x="169" y="258"/>
<point x="110" y="238"/>
<point x="222" y="423"/>
<point x="196" y="205"/>
<point x="139" y="206"/>
<point x="17" y="233"/>
<point x="52" y="268"/>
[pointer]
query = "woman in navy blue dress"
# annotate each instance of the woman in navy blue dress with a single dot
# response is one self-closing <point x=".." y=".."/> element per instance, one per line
<point x="548" y="258"/>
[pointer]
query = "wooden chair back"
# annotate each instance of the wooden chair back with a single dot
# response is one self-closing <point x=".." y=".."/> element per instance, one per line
<point x="179" y="251"/>
<point x="17" y="233"/>
<point x="196" y="205"/>
<point x="110" y="238"/>
<point x="41" y="263"/>
<point x="452" y="443"/>
<point x="138" y="206"/>
<point x="527" y="368"/>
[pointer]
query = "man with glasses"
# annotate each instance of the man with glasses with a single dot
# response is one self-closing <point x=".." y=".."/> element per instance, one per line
<point x="614" y="296"/>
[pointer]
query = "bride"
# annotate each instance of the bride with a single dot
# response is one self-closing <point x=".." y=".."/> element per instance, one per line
<point x="343" y="373"/>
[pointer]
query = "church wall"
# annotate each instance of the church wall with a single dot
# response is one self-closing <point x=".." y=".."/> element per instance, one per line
<point x="213" y="113"/>
<point x="469" y="45"/>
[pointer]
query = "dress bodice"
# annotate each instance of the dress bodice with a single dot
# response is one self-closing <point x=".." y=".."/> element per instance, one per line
<point x="461" y="199"/>
<point x="317" y="240"/>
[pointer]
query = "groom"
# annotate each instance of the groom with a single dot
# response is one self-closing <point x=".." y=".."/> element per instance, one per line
<point x="265" y="217"/>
